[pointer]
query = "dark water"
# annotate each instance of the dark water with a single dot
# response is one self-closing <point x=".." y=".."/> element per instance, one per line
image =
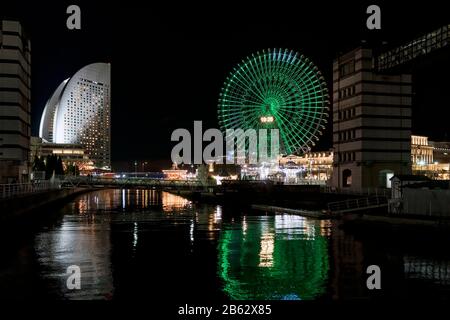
<point x="140" y="244"/>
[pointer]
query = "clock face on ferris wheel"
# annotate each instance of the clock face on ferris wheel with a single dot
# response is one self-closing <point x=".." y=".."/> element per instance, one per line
<point x="276" y="89"/>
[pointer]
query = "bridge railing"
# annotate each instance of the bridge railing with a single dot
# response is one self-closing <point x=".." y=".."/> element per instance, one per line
<point x="16" y="189"/>
<point x="359" y="203"/>
<point x="385" y="192"/>
<point x="133" y="181"/>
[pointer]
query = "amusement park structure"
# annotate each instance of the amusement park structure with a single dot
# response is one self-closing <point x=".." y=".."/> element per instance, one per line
<point x="372" y="108"/>
<point x="275" y="89"/>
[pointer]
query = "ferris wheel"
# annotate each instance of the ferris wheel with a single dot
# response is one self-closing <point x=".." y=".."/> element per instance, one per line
<point x="276" y="89"/>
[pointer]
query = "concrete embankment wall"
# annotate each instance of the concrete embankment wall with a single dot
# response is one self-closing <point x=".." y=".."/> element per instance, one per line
<point x="17" y="208"/>
<point x="306" y="197"/>
<point x="426" y="202"/>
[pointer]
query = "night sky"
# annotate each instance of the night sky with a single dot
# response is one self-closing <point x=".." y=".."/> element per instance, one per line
<point x="169" y="62"/>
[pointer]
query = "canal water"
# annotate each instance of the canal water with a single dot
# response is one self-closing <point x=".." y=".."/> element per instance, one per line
<point x="148" y="244"/>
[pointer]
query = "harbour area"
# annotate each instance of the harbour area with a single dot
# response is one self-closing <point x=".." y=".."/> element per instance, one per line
<point x="131" y="244"/>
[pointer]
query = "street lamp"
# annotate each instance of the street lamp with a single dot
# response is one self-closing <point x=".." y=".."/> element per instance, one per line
<point x="135" y="168"/>
<point x="310" y="170"/>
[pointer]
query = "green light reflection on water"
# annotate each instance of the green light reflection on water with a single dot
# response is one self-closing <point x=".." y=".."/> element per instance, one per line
<point x="279" y="257"/>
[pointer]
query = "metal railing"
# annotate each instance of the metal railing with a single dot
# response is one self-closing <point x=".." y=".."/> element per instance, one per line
<point x="306" y="182"/>
<point x="16" y="189"/>
<point x="358" y="192"/>
<point x="357" y="204"/>
<point x="77" y="180"/>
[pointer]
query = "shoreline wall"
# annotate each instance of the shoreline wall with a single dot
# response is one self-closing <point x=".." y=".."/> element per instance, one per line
<point x="17" y="208"/>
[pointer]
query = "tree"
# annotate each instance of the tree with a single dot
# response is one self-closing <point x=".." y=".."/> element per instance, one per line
<point x="48" y="167"/>
<point x="202" y="174"/>
<point x="38" y="164"/>
<point x="70" y="169"/>
<point x="41" y="163"/>
<point x="59" y="169"/>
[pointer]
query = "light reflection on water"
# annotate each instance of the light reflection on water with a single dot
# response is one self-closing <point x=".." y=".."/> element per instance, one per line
<point x="127" y="241"/>
<point x="274" y="257"/>
<point x="81" y="242"/>
<point x="83" y="238"/>
<point x="257" y="257"/>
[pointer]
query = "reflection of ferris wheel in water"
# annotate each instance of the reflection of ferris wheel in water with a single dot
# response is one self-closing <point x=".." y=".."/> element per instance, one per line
<point x="276" y="89"/>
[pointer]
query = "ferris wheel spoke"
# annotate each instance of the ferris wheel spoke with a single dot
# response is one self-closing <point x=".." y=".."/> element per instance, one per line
<point x="307" y="101"/>
<point x="297" y="133"/>
<point x="282" y="89"/>
<point x="246" y="89"/>
<point x="233" y="124"/>
<point x="293" y="103"/>
<point x="243" y="100"/>
<point x="303" y="110"/>
<point x="263" y="71"/>
<point x="306" y="116"/>
<point x="286" y="83"/>
<point x="288" y="142"/>
<point x="286" y="132"/>
<point x="277" y="66"/>
<point x="238" y="119"/>
<point x="268" y="67"/>
<point x="246" y="86"/>
<point x="313" y="87"/>
<point x="231" y="116"/>
<point x="258" y="76"/>
<point x="293" y="126"/>
<point x="252" y="79"/>
<point x="239" y="104"/>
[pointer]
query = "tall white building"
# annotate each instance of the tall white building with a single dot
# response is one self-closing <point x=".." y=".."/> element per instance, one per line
<point x="79" y="112"/>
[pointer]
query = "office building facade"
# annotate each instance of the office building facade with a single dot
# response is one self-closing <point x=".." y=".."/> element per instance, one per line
<point x="15" y="104"/>
<point x="371" y="122"/>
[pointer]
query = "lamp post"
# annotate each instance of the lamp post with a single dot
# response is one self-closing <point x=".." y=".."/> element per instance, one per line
<point x="143" y="165"/>
<point x="310" y="171"/>
<point x="135" y="168"/>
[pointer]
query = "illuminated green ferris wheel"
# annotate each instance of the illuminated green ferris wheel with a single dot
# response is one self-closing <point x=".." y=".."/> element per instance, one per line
<point x="276" y="89"/>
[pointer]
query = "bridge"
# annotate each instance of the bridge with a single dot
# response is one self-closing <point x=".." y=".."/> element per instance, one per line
<point x="65" y="182"/>
<point x="134" y="182"/>
<point x="411" y="50"/>
<point x="19" y="189"/>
